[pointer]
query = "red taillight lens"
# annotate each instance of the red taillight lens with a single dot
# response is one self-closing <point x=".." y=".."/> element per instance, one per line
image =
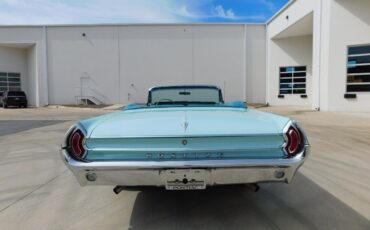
<point x="76" y="143"/>
<point x="295" y="141"/>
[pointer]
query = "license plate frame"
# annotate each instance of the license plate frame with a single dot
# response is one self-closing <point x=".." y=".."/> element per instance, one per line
<point x="184" y="179"/>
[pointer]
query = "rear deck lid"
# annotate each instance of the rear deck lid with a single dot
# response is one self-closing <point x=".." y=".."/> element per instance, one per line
<point x="180" y="122"/>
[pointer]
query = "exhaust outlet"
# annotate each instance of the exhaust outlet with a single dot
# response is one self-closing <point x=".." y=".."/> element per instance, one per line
<point x="254" y="187"/>
<point x="118" y="189"/>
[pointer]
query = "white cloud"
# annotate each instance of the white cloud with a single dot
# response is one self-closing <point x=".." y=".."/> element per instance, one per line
<point x="206" y="12"/>
<point x="115" y="11"/>
<point x="268" y="4"/>
<point x="94" y="11"/>
<point x="219" y="11"/>
<point x="184" y="12"/>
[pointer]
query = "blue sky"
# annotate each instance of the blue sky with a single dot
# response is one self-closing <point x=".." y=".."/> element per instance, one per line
<point x="136" y="11"/>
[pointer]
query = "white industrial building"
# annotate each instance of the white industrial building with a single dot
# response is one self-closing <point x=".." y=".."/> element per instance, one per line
<point x="313" y="53"/>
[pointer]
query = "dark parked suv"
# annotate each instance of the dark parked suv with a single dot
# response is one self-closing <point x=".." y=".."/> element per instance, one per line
<point x="1" y="98"/>
<point x="14" y="98"/>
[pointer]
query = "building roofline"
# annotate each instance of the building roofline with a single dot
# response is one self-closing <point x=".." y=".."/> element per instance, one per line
<point x="280" y="11"/>
<point x="132" y="24"/>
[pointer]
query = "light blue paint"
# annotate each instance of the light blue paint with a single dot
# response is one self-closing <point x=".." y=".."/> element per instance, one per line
<point x="202" y="121"/>
<point x="236" y="131"/>
<point x="233" y="104"/>
<point x="267" y="146"/>
<point x="237" y="104"/>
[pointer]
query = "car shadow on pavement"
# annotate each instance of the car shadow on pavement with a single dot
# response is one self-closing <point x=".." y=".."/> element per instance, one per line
<point x="300" y="205"/>
<point x="14" y="126"/>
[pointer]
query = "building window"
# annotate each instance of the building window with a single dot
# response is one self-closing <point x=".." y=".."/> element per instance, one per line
<point x="358" y="69"/>
<point x="293" y="80"/>
<point x="10" y="81"/>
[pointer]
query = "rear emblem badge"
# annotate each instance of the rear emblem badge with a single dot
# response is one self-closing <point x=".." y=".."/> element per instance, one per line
<point x="184" y="142"/>
<point x="185" y="125"/>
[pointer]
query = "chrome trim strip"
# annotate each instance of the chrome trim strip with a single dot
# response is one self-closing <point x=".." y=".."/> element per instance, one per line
<point x="222" y="163"/>
<point x="193" y="136"/>
<point x="66" y="135"/>
<point x="179" y="150"/>
<point x="285" y="130"/>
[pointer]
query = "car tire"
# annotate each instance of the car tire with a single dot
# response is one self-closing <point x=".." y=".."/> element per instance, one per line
<point x="5" y="106"/>
<point x="25" y="106"/>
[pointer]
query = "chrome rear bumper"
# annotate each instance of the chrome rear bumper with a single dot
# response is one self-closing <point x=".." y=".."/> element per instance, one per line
<point x="218" y="172"/>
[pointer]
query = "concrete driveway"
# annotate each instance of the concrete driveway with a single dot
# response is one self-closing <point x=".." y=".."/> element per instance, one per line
<point x="38" y="192"/>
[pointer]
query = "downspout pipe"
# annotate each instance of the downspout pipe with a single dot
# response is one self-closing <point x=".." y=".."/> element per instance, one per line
<point x="46" y="66"/>
<point x="319" y="66"/>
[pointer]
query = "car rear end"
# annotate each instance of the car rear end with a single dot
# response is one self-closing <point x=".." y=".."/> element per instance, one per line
<point x="15" y="98"/>
<point x="185" y="162"/>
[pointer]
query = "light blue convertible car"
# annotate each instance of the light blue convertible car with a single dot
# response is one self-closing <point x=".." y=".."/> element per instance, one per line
<point x="184" y="137"/>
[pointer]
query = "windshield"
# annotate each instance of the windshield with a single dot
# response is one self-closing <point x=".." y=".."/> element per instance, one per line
<point x="16" y="94"/>
<point x="185" y="95"/>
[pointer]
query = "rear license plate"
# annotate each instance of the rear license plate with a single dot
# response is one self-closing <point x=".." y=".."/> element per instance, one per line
<point x="184" y="179"/>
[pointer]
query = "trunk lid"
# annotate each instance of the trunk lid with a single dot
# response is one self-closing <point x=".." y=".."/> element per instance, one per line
<point x="187" y="122"/>
<point x="184" y="134"/>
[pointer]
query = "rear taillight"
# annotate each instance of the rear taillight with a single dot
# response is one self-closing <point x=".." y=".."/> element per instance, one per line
<point x="294" y="141"/>
<point x="76" y="144"/>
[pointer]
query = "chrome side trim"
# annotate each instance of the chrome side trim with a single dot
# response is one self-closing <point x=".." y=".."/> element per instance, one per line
<point x="131" y="165"/>
<point x="180" y="150"/>
<point x="285" y="130"/>
<point x="194" y="136"/>
<point x="66" y="135"/>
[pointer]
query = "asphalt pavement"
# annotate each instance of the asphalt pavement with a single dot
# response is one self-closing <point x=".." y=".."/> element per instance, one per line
<point x="331" y="190"/>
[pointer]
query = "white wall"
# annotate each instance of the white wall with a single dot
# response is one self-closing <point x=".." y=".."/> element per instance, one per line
<point x="291" y="15"/>
<point x="32" y="75"/>
<point x="188" y="54"/>
<point x="294" y="21"/>
<point x="123" y="62"/>
<point x="337" y="24"/>
<point x="20" y="36"/>
<point x="13" y="59"/>
<point x="320" y="44"/>
<point x="153" y="55"/>
<point x="93" y="57"/>
<point x="218" y="58"/>
<point x="292" y="51"/>
<point x="21" y="58"/>
<point x="255" y="64"/>
<point x="120" y="62"/>
<point x="350" y="25"/>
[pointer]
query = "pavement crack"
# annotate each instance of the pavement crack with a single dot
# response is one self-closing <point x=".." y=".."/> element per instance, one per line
<point x="34" y="190"/>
